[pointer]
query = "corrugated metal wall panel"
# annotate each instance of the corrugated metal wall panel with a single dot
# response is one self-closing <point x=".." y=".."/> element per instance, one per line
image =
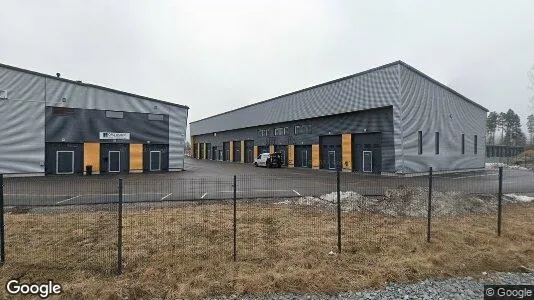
<point x="370" y="90"/>
<point x="22" y="136"/>
<point x="429" y="108"/>
<point x="22" y="133"/>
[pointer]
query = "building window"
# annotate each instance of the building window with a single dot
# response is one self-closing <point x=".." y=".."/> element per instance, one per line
<point x="420" y="142"/>
<point x="476" y="144"/>
<point x="279" y="131"/>
<point x="286" y="130"/>
<point x="303" y="129"/>
<point x="114" y="114"/>
<point x="463" y="143"/>
<point x="154" y="117"/>
<point x="437" y="142"/>
<point x="263" y="132"/>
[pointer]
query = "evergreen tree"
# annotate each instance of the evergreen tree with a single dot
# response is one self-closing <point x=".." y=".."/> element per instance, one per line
<point x="491" y="124"/>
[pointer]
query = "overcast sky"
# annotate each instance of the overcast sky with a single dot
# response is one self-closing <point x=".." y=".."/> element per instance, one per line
<point x="214" y="56"/>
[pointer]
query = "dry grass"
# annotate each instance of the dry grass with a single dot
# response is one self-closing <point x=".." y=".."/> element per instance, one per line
<point x="187" y="251"/>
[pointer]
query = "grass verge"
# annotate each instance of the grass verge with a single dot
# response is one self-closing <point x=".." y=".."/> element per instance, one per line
<point x="186" y="251"/>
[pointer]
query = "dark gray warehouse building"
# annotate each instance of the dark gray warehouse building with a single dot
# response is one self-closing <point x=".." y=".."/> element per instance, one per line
<point x="51" y="125"/>
<point x="390" y="119"/>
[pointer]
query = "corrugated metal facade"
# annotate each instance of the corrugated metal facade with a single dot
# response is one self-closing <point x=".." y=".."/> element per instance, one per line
<point x="22" y="115"/>
<point x="430" y="108"/>
<point x="417" y="101"/>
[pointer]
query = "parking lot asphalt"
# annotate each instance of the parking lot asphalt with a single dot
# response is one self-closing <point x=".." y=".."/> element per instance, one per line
<point x="213" y="180"/>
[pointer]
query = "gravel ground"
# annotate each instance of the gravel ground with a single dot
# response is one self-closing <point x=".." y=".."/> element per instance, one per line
<point x="452" y="288"/>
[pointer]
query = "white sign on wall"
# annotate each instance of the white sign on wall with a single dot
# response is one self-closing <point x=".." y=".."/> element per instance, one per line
<point x="114" y="135"/>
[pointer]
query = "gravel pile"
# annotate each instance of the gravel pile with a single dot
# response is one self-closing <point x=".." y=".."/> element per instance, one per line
<point x="409" y="202"/>
<point x="452" y="288"/>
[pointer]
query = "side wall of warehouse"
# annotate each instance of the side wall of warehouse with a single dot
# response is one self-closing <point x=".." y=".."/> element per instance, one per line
<point x="430" y="108"/>
<point x="22" y="123"/>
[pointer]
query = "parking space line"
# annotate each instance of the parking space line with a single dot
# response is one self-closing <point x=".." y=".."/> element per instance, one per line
<point x="204" y="195"/>
<point x="71" y="198"/>
<point x="166" y="196"/>
<point x="297" y="193"/>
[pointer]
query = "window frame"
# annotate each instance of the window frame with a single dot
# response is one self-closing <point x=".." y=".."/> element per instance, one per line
<point x="463" y="144"/>
<point x="420" y="142"/>
<point x="436" y="142"/>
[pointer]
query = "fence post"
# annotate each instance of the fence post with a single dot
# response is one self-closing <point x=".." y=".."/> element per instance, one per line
<point x="499" y="208"/>
<point x="429" y="212"/>
<point x="119" y="236"/>
<point x="235" y="219"/>
<point x="2" y="234"/>
<point x="338" y="212"/>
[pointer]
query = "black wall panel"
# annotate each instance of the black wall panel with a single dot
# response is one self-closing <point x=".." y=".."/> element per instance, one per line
<point x="50" y="156"/>
<point x="374" y="120"/>
<point x="82" y="125"/>
<point x="105" y="162"/>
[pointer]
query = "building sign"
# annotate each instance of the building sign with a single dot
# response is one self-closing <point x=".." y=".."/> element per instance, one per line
<point x="114" y="135"/>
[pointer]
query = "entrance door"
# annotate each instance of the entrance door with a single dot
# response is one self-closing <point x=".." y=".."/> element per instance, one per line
<point x="367" y="161"/>
<point x="155" y="160"/>
<point x="304" y="155"/>
<point x="250" y="156"/>
<point x="332" y="160"/>
<point x="114" y="162"/>
<point x="64" y="162"/>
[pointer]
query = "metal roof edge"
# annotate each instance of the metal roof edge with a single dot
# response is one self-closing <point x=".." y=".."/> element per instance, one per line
<point x="413" y="69"/>
<point x="91" y="85"/>
<point x="305" y="89"/>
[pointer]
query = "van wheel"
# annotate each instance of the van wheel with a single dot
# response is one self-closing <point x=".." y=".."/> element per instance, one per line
<point x="256" y="165"/>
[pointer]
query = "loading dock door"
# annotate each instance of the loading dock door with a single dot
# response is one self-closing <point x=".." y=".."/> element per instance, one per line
<point x="249" y="153"/>
<point x="367" y="152"/>
<point x="155" y="160"/>
<point x="302" y="156"/>
<point x="330" y="151"/>
<point x="64" y="162"/>
<point x="114" y="161"/>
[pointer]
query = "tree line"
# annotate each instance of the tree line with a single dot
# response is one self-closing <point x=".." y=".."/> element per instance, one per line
<point x="504" y="128"/>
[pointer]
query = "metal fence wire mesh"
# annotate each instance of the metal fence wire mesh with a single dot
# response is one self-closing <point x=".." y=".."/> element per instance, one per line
<point x="163" y="224"/>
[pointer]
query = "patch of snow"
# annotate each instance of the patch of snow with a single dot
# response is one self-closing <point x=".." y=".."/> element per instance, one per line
<point x="519" y="198"/>
<point x="505" y="166"/>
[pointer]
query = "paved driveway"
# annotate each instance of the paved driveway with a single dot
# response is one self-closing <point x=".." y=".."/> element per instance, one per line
<point x="211" y="180"/>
